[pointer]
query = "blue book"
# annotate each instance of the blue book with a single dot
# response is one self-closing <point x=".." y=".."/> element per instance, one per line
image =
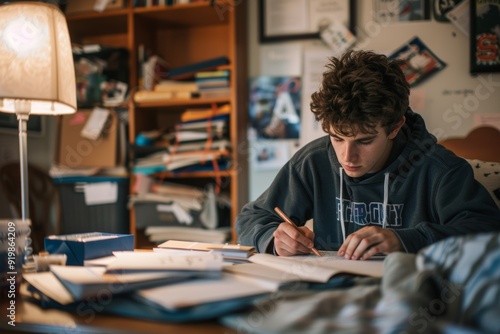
<point x="190" y="70"/>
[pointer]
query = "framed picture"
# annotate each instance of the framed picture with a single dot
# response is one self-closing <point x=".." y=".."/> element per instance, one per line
<point x="484" y="41"/>
<point x="282" y="20"/>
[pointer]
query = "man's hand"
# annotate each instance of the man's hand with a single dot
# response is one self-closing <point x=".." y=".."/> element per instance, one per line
<point x="289" y="241"/>
<point x="368" y="241"/>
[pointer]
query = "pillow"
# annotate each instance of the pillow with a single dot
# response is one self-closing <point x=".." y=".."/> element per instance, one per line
<point x="488" y="174"/>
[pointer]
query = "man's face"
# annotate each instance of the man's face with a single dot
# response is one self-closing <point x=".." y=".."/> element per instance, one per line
<point x="363" y="153"/>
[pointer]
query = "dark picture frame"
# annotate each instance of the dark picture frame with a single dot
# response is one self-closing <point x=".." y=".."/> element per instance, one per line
<point x="265" y="37"/>
<point x="484" y="43"/>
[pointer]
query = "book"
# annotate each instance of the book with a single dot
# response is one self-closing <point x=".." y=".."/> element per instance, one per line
<point x="171" y="162"/>
<point x="161" y="234"/>
<point x="213" y="145"/>
<point x="176" y="86"/>
<point x="177" y="189"/>
<point x="215" y="92"/>
<point x="227" y="250"/>
<point x="196" y="114"/>
<point x="86" y="282"/>
<point x="189" y="71"/>
<point x="312" y="268"/>
<point x="153" y="96"/>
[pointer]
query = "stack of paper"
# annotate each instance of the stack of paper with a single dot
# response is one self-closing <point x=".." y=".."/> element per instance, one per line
<point x="128" y="272"/>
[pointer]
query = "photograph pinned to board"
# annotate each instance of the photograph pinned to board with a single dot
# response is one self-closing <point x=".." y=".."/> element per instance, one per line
<point x="393" y="11"/>
<point x="269" y="155"/>
<point x="338" y="37"/>
<point x="421" y="62"/>
<point x="274" y="107"/>
<point x="484" y="37"/>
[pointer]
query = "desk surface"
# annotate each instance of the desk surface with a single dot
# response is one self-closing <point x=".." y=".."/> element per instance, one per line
<point x="31" y="318"/>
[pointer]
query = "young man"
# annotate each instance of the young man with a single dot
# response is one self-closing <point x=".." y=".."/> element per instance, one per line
<point x="378" y="183"/>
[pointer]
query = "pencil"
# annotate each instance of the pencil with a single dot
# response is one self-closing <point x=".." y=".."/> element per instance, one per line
<point x="289" y="221"/>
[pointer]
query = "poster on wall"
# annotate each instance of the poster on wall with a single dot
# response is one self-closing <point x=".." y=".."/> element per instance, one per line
<point x="274" y="107"/>
<point x="421" y="62"/>
<point x="484" y="36"/>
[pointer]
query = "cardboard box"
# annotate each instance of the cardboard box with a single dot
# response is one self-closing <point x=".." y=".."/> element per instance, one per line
<point x="86" y="246"/>
<point x="80" y="6"/>
<point x="74" y="151"/>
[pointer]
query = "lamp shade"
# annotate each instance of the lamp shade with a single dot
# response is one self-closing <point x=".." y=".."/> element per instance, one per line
<point x="36" y="60"/>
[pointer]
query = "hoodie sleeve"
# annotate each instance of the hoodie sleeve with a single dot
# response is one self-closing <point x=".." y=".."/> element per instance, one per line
<point x="257" y="220"/>
<point x="461" y="205"/>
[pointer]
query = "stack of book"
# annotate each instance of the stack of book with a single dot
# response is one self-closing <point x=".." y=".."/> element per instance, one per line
<point x="172" y="210"/>
<point x="167" y="90"/>
<point x="199" y="142"/>
<point x="213" y="83"/>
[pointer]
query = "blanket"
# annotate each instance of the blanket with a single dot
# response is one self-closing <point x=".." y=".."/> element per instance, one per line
<point x="452" y="286"/>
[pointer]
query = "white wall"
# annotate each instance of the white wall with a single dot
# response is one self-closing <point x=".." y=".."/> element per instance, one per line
<point x="448" y="101"/>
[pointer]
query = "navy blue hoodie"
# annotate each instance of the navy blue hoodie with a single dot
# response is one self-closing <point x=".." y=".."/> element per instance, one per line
<point x="426" y="192"/>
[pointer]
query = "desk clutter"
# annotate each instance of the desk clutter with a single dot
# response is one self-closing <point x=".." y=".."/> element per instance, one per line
<point x="177" y="280"/>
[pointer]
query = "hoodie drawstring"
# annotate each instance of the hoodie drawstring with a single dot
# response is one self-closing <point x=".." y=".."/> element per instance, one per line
<point x="341" y="202"/>
<point x="386" y="198"/>
<point x="385" y="204"/>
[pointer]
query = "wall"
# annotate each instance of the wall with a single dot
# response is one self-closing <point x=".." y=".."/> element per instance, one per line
<point x="448" y="101"/>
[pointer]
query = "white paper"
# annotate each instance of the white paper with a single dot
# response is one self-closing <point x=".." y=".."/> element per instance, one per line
<point x="100" y="193"/>
<point x="200" y="291"/>
<point x="150" y="261"/>
<point x="286" y="17"/>
<point x="322" y="13"/>
<point x="460" y="17"/>
<point x="95" y="124"/>
<point x="281" y="60"/>
<point x="315" y="60"/>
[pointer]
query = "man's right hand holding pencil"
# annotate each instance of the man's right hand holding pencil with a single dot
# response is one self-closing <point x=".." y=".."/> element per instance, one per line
<point x="290" y="240"/>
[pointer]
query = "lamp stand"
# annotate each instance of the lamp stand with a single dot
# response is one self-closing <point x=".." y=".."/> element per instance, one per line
<point x="22" y="117"/>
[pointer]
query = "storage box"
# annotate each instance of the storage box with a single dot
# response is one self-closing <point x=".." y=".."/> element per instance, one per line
<point x="81" y="213"/>
<point x="74" y="151"/>
<point x="81" y="247"/>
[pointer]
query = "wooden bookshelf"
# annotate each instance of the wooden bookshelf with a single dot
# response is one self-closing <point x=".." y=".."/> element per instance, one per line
<point x="181" y="35"/>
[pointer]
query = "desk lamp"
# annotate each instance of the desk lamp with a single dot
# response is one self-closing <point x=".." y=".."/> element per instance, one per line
<point x="37" y="74"/>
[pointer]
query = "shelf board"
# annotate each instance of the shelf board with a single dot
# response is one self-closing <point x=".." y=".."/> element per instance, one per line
<point x="181" y="102"/>
<point x="210" y="174"/>
<point x="193" y="14"/>
<point x="98" y="23"/>
<point x="97" y="15"/>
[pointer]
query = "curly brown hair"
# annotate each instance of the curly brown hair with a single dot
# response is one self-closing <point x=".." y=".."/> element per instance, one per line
<point x="359" y="90"/>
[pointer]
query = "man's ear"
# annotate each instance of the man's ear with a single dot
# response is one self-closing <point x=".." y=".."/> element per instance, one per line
<point x="396" y="129"/>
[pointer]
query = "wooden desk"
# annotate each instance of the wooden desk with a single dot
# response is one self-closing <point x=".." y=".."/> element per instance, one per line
<point x="31" y="318"/>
